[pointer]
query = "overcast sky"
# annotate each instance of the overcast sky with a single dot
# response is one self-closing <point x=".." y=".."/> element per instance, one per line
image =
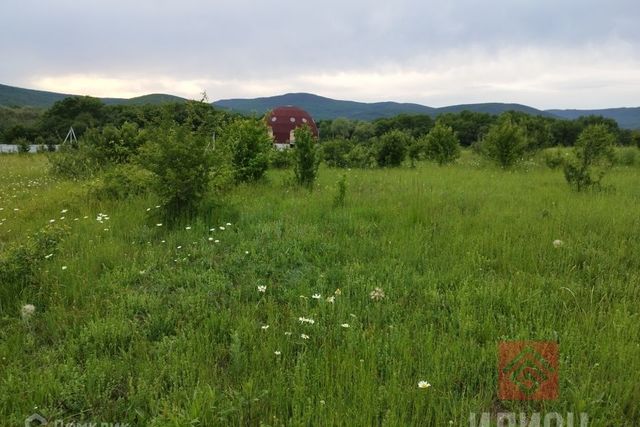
<point x="544" y="53"/>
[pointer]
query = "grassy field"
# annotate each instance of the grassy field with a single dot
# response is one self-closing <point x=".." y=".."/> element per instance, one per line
<point x="261" y="313"/>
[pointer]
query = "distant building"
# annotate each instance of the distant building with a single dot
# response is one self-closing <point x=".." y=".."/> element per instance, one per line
<point x="282" y="121"/>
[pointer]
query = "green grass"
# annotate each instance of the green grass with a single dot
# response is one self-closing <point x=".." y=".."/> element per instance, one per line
<point x="160" y="326"/>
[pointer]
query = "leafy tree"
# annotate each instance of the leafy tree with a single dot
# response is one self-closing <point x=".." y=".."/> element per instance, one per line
<point x="505" y="143"/>
<point x="81" y="112"/>
<point x="249" y="145"/>
<point x="307" y="158"/>
<point x="363" y="131"/>
<point x="180" y="160"/>
<point x="392" y="148"/>
<point x="342" y="128"/>
<point x="469" y="126"/>
<point x="442" y="144"/>
<point x="593" y="156"/>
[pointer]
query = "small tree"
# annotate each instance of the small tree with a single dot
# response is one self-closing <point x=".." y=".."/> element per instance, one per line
<point x="180" y="160"/>
<point x="23" y="145"/>
<point x="505" y="143"/>
<point x="249" y="144"/>
<point x="307" y="158"/>
<point x="392" y="148"/>
<point x="593" y="156"/>
<point x="442" y="145"/>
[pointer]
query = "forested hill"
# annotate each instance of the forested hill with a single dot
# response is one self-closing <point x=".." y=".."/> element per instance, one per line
<point x="324" y="108"/>
<point x="19" y="97"/>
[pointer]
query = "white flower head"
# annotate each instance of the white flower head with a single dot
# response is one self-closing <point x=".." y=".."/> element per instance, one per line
<point x="304" y="336"/>
<point x="423" y="384"/>
<point x="331" y="299"/>
<point x="377" y="294"/>
<point x="558" y="243"/>
<point x="277" y="352"/>
<point x="262" y="288"/>
<point x="316" y="296"/>
<point x="306" y="320"/>
<point x="27" y="311"/>
<point x="264" y="327"/>
<point x="345" y="325"/>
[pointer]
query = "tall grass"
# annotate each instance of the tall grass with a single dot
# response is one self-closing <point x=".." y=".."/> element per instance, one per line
<point x="160" y="326"/>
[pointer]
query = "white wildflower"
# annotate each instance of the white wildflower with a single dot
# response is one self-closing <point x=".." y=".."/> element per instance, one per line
<point x="304" y="336"/>
<point x="27" y="311"/>
<point x="558" y="243"/>
<point x="262" y="288"/>
<point x="338" y="292"/>
<point x="277" y="352"/>
<point x="264" y="327"/>
<point x="187" y="228"/>
<point x="222" y="228"/>
<point x="316" y="296"/>
<point x="64" y="267"/>
<point x="377" y="294"/>
<point x="331" y="299"/>
<point x="159" y="225"/>
<point x="306" y="320"/>
<point x="423" y="384"/>
<point x="345" y="325"/>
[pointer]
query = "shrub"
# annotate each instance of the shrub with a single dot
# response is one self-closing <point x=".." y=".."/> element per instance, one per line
<point x="361" y="156"/>
<point x="441" y="145"/>
<point x="341" y="193"/>
<point x="335" y="152"/>
<point x="281" y="159"/>
<point x="73" y="162"/>
<point x="249" y="143"/>
<point x="505" y="143"/>
<point x="307" y="158"/>
<point x="593" y="155"/>
<point x="23" y="145"/>
<point x="123" y="181"/>
<point x="627" y="156"/>
<point x="181" y="162"/>
<point x="553" y="158"/>
<point x="392" y="148"/>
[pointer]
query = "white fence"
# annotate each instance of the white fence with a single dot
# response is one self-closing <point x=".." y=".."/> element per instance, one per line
<point x="12" y="148"/>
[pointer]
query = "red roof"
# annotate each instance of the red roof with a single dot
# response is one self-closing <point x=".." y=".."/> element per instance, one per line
<point x="283" y="120"/>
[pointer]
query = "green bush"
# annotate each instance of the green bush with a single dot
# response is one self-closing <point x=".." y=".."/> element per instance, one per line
<point x="281" y="159"/>
<point x="505" y="143"/>
<point x="307" y="158"/>
<point x="553" y="157"/>
<point x="335" y="152"/>
<point x="23" y="145"/>
<point x="181" y="162"/>
<point x="74" y="162"/>
<point x="627" y="156"/>
<point x="392" y="148"/>
<point x="593" y="155"/>
<point x="441" y="145"/>
<point x="123" y="181"/>
<point x="248" y="143"/>
<point x="361" y="156"/>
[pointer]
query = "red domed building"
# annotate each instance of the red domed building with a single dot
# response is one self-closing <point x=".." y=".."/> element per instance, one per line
<point x="282" y="121"/>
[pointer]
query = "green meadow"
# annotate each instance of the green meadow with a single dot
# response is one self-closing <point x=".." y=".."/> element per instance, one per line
<point x="277" y="307"/>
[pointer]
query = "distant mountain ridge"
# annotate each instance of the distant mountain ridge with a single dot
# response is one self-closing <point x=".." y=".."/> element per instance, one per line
<point x="325" y="108"/>
<point x="11" y="96"/>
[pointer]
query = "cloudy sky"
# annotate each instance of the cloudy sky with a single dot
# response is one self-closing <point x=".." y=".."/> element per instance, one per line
<point x="544" y="53"/>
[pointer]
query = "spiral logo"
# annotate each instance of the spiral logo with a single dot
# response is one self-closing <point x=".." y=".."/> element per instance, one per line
<point x="528" y="370"/>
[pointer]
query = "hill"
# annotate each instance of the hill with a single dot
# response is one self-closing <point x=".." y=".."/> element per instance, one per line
<point x="19" y="97"/>
<point x="322" y="108"/>
<point x="628" y="118"/>
<point x="326" y="108"/>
